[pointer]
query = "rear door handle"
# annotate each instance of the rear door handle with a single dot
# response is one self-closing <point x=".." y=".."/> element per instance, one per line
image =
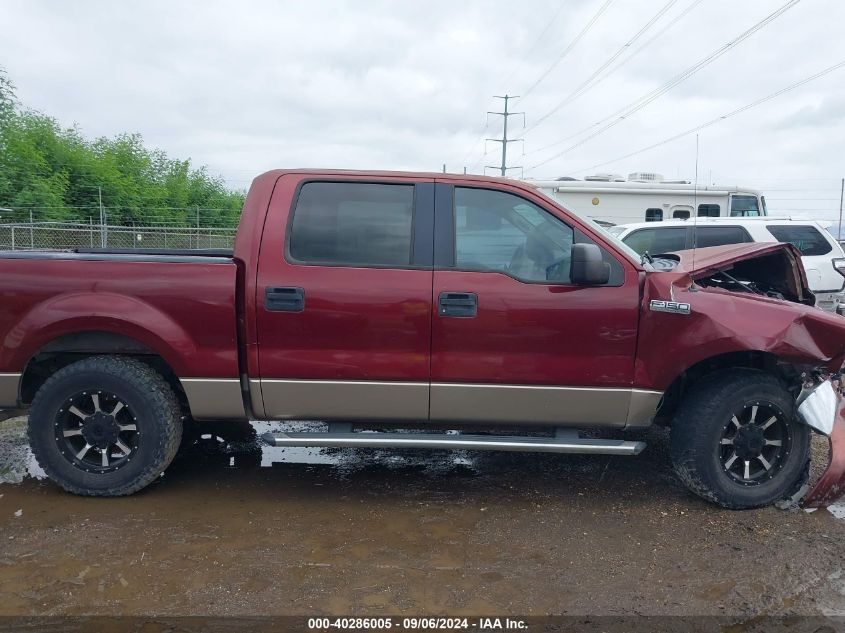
<point x="284" y="299"/>
<point x="458" y="304"/>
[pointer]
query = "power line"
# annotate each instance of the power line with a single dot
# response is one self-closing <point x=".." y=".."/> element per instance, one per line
<point x="648" y="43"/>
<point x="657" y="35"/>
<point x="728" y="115"/>
<point x="568" y="48"/>
<point x="637" y="105"/>
<point x="585" y="85"/>
<point x="480" y="159"/>
<point x="480" y="136"/>
<point x="481" y="133"/>
<point x="542" y="76"/>
<point x="537" y="40"/>
<point x="475" y="145"/>
<point x="505" y="140"/>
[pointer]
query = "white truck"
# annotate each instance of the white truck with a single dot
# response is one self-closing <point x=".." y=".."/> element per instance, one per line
<point x="647" y="197"/>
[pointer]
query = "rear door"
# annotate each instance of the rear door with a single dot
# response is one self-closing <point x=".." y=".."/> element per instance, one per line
<point x="513" y="340"/>
<point x="344" y="299"/>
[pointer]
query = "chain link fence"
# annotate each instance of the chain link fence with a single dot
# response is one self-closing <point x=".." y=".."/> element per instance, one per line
<point x="70" y="235"/>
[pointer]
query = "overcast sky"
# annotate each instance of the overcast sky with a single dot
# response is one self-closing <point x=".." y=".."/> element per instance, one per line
<point x="247" y="86"/>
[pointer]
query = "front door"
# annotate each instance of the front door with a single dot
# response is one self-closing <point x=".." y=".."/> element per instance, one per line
<point x="513" y="341"/>
<point x="344" y="304"/>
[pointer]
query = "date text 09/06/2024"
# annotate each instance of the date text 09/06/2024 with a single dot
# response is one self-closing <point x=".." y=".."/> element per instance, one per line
<point x="418" y="623"/>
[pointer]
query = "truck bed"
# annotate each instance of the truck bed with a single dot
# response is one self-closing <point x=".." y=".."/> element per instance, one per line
<point x="181" y="305"/>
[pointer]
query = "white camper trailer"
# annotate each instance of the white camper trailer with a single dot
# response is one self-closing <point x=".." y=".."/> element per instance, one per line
<point x="647" y="197"/>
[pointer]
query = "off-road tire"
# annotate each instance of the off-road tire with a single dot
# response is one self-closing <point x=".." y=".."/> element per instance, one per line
<point x="699" y="423"/>
<point x="144" y="391"/>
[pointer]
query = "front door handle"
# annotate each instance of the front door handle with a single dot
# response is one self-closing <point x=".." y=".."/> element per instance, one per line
<point x="284" y="299"/>
<point x="458" y="304"/>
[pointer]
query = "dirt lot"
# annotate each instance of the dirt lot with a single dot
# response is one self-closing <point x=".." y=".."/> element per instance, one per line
<point x="238" y="531"/>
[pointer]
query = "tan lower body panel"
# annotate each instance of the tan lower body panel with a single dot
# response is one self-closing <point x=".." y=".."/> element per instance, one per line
<point x="214" y="398"/>
<point x="9" y="384"/>
<point x="256" y="399"/>
<point x="344" y="400"/>
<point x="644" y="404"/>
<point x="530" y="404"/>
<point x="452" y="402"/>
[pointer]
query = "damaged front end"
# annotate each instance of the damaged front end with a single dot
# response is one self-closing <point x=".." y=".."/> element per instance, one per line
<point x="754" y="298"/>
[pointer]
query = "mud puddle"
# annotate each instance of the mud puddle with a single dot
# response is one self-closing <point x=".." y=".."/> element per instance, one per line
<point x="16" y="460"/>
<point x="238" y="528"/>
<point x="244" y="448"/>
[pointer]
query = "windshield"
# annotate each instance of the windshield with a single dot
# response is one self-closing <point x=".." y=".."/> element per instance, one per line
<point x="608" y="232"/>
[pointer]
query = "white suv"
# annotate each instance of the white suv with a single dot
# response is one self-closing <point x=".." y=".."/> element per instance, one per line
<point x="823" y="257"/>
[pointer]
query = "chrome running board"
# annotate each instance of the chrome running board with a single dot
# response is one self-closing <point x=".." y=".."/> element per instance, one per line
<point x="561" y="443"/>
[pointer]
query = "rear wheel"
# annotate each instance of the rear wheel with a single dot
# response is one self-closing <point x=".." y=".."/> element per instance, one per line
<point x="736" y="440"/>
<point x="105" y="426"/>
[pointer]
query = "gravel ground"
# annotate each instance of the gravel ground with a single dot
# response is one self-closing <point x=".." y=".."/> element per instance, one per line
<point x="237" y="529"/>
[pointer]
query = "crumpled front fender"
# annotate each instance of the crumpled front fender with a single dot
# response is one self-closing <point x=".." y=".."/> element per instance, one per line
<point x="722" y="322"/>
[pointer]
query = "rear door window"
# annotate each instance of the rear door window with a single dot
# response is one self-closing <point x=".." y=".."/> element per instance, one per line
<point x="657" y="240"/>
<point x="720" y="235"/>
<point x="808" y="239"/>
<point x="353" y="224"/>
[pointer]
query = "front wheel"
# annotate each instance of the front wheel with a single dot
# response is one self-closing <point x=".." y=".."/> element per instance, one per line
<point x="105" y="426"/>
<point x="736" y="440"/>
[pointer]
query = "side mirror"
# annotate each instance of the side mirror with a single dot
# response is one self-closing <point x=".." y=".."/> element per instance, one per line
<point x="588" y="266"/>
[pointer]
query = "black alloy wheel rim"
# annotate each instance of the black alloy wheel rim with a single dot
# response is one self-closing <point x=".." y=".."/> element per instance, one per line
<point x="96" y="431"/>
<point x="755" y="443"/>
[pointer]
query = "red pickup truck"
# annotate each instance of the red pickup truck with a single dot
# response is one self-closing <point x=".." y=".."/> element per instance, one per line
<point x="424" y="302"/>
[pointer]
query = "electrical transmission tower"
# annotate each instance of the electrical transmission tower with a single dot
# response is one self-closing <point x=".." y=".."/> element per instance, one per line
<point x="505" y="140"/>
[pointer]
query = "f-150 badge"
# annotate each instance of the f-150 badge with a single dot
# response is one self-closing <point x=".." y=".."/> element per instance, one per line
<point x="669" y="306"/>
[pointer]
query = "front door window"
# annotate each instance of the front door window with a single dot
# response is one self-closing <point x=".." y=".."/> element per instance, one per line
<point x="500" y="232"/>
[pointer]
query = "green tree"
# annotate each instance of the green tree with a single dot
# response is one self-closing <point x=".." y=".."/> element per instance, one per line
<point x="57" y="174"/>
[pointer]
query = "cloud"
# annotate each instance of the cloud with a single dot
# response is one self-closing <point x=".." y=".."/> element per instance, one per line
<point x="827" y="113"/>
<point x="246" y="86"/>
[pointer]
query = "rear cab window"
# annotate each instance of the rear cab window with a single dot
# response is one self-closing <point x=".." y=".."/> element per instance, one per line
<point x="806" y="238"/>
<point x="353" y="224"/>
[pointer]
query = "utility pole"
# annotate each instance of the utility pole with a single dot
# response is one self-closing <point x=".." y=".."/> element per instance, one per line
<point x="503" y="168"/>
